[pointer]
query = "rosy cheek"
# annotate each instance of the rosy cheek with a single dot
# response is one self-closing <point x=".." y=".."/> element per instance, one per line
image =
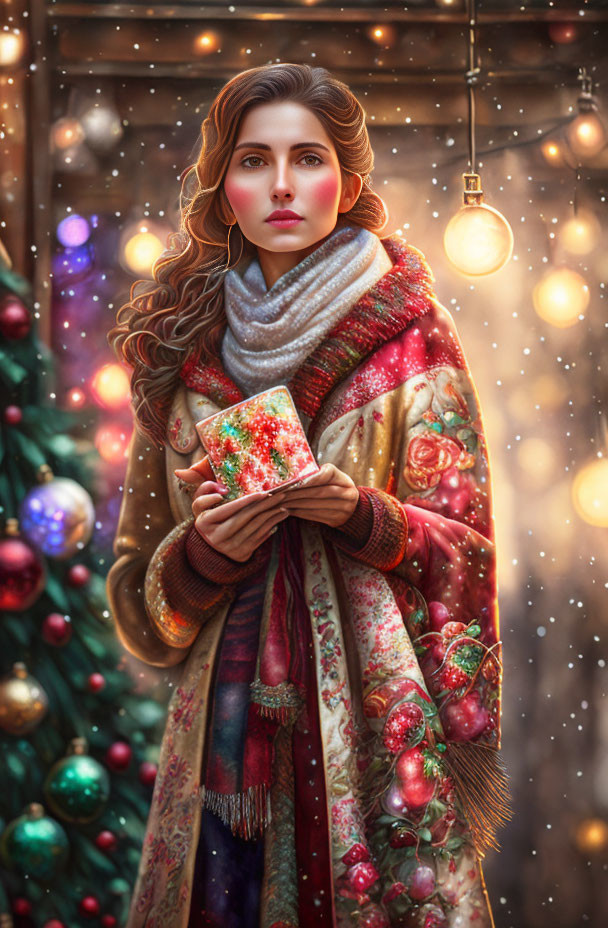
<point x="326" y="191"/>
<point x="241" y="196"/>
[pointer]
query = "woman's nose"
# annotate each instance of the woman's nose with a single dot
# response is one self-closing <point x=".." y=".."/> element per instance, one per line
<point x="282" y="183"/>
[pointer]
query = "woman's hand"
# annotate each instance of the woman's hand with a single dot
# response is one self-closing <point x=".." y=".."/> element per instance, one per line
<point x="329" y="496"/>
<point x="237" y="528"/>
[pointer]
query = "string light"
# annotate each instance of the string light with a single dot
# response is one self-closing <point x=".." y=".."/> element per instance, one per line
<point x="478" y="240"/>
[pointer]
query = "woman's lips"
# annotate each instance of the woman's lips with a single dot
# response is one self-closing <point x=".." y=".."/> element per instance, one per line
<point x="283" y="223"/>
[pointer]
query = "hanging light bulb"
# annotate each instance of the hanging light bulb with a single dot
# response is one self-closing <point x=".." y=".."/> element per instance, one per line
<point x="561" y="296"/>
<point x="478" y="240"/>
<point x="585" y="134"/>
<point x="590" y="492"/>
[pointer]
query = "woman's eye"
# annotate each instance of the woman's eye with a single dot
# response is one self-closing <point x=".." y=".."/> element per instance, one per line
<point x="248" y="158"/>
<point x="259" y="159"/>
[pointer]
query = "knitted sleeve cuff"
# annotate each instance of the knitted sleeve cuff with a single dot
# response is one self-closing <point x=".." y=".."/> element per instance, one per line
<point x="384" y="520"/>
<point x="217" y="567"/>
<point x="178" y="599"/>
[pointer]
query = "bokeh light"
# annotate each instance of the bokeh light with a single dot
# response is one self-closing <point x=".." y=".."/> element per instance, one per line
<point x="112" y="442"/>
<point x="561" y="296"/>
<point x="110" y="387"/>
<point x="591" y="835"/>
<point x="65" y="132"/>
<point x="586" y="134"/>
<point x="590" y="492"/>
<point x="141" y="251"/>
<point x="12" y="45"/>
<point x="581" y="233"/>
<point x="72" y="231"/>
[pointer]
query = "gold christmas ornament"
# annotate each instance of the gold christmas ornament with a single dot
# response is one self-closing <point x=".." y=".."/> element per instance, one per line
<point x="23" y="702"/>
<point x="478" y="240"/>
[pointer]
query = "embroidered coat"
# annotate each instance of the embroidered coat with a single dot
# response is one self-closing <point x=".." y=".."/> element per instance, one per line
<point x="398" y="627"/>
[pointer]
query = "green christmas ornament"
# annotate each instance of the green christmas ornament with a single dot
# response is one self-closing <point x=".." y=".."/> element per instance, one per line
<point x="35" y="844"/>
<point x="77" y="787"/>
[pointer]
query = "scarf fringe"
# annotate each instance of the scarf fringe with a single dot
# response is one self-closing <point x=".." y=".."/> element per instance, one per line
<point x="247" y="813"/>
<point x="482" y="786"/>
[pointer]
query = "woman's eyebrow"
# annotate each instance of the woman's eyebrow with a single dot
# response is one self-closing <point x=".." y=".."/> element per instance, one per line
<point x="292" y="148"/>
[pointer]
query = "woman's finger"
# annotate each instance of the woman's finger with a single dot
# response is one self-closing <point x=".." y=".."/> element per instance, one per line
<point x="244" y="522"/>
<point x="209" y="486"/>
<point x="199" y="470"/>
<point x="202" y="503"/>
<point x="249" y="506"/>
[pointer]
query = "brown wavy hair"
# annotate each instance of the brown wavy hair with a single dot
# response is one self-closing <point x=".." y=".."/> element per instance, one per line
<point x="181" y="310"/>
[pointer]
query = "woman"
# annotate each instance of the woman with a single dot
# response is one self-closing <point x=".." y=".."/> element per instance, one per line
<point x="331" y="754"/>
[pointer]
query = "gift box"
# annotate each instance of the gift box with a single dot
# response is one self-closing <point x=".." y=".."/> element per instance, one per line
<point x="258" y="444"/>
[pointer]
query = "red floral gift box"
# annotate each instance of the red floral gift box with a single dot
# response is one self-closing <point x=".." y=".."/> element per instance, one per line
<point x="258" y="444"/>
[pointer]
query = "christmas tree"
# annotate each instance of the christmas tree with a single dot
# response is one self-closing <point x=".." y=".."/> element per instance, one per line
<point x="78" y="743"/>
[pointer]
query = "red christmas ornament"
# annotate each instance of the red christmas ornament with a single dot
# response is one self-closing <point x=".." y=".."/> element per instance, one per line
<point x="53" y="923"/>
<point x="89" y="906"/>
<point x="118" y="756"/>
<point x="21" y="906"/>
<point x="96" y="682"/>
<point x="12" y="415"/>
<point x="56" y="629"/>
<point x="465" y="718"/>
<point x="106" y="841"/>
<point x="15" y="317"/>
<point x="108" y="921"/>
<point x="416" y="789"/>
<point x="22" y="574"/>
<point x="404" y="727"/>
<point x="147" y="773"/>
<point x="78" y="575"/>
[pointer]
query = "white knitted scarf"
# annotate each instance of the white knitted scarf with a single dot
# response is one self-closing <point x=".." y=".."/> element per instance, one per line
<point x="271" y="332"/>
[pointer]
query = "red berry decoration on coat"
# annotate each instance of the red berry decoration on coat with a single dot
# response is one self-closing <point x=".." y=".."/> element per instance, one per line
<point x="106" y="841"/>
<point x="439" y="615"/>
<point x="78" y="575"/>
<point x="147" y="773"/>
<point x="373" y="917"/>
<point x="465" y="718"/>
<point x="96" y="682"/>
<point x="434" y="917"/>
<point x="118" y="756"/>
<point x="56" y="629"/>
<point x="89" y="906"/>
<point x="404" y="727"/>
<point x="402" y="838"/>
<point x="397" y="889"/>
<point x="355" y="854"/>
<point x="362" y="876"/>
<point x="452" y="677"/>
<point x="12" y="415"/>
<point x="421" y="882"/>
<point x="417" y="783"/>
<point x="451" y="629"/>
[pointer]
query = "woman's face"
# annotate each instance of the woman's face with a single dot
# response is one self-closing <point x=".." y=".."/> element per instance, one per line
<point x="284" y="160"/>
